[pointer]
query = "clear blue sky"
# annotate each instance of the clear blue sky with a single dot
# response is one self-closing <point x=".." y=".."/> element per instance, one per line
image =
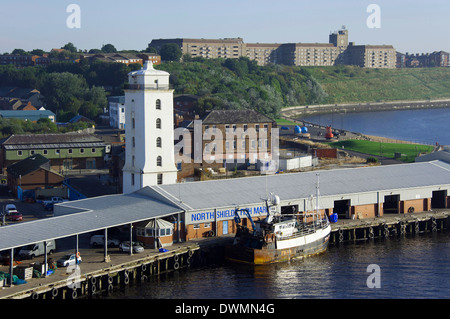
<point x="410" y="26"/>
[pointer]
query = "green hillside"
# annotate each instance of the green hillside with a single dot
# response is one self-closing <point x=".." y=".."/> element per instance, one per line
<point x="345" y="84"/>
<point x="78" y="88"/>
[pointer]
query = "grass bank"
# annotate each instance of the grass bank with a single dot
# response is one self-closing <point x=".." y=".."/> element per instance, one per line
<point x="348" y="84"/>
<point x="408" y="152"/>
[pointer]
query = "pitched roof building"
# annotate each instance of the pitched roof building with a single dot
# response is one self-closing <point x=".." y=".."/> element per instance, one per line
<point x="31" y="173"/>
<point x="65" y="151"/>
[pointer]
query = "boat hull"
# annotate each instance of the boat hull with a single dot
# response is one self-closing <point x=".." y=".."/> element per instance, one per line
<point x="285" y="250"/>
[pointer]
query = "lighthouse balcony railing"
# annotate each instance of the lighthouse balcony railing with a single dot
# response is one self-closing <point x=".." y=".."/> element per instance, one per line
<point x="146" y="87"/>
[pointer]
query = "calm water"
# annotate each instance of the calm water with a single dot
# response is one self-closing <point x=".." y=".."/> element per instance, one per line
<point x="411" y="267"/>
<point x="422" y="126"/>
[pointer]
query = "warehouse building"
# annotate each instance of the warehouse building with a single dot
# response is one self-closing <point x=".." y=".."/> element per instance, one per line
<point x="199" y="209"/>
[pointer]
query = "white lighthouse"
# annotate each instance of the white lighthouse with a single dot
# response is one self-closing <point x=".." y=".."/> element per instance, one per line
<point x="149" y="140"/>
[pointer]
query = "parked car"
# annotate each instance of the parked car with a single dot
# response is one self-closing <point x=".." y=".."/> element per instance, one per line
<point x="14" y="216"/>
<point x="98" y="240"/>
<point x="10" y="208"/>
<point x="68" y="260"/>
<point x="137" y="246"/>
<point x="48" y="204"/>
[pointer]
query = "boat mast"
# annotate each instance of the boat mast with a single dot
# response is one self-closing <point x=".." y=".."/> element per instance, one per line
<point x="317" y="193"/>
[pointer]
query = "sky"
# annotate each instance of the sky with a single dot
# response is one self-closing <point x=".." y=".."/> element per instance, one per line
<point x="410" y="26"/>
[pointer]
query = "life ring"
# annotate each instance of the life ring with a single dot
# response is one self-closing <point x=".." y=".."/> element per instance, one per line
<point x="176" y="266"/>
<point x="78" y="254"/>
<point x="411" y="210"/>
<point x="126" y="279"/>
<point x="110" y="288"/>
<point x="54" y="292"/>
<point x="110" y="280"/>
<point x="74" y="294"/>
<point x="34" y="295"/>
<point x="93" y="289"/>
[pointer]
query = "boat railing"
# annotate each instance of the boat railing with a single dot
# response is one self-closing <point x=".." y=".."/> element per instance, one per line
<point x="307" y="228"/>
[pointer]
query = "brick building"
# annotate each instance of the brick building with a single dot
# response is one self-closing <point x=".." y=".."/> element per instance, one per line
<point x="31" y="173"/>
<point x="227" y="138"/>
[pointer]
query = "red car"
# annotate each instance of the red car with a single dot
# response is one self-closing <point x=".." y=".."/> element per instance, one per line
<point x="14" y="216"/>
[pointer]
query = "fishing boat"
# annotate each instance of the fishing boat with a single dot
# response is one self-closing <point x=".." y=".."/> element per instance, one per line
<point x="279" y="237"/>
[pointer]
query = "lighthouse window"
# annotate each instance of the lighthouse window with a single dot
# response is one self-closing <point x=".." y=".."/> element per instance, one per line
<point x="159" y="161"/>
<point x="158" y="104"/>
<point x="158" y="142"/>
<point x="158" y="123"/>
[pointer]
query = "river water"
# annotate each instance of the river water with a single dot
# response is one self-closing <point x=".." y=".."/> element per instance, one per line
<point x="409" y="267"/>
<point x="425" y="126"/>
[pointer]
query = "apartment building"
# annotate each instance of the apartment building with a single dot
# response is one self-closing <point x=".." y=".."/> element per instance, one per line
<point x="264" y="53"/>
<point x="336" y="51"/>
<point x="371" y="56"/>
<point x="206" y="48"/>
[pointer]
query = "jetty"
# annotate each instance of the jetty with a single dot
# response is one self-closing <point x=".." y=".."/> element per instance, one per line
<point x="389" y="225"/>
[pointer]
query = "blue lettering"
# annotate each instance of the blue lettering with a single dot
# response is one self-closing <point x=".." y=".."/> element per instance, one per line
<point x="202" y="216"/>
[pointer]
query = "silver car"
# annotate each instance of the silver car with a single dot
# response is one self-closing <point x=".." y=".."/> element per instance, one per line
<point x="137" y="247"/>
<point x="68" y="260"/>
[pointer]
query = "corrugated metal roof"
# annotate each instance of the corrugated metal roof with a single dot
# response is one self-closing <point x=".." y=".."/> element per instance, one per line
<point x="113" y="210"/>
<point x="37" y="139"/>
<point x="53" y="146"/>
<point x="252" y="190"/>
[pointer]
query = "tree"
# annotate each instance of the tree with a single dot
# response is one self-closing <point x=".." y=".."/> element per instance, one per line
<point x="63" y="92"/>
<point x="170" y="52"/>
<point x="37" y="52"/>
<point x="19" y="52"/>
<point x="70" y="47"/>
<point x="109" y="48"/>
<point x="150" y="49"/>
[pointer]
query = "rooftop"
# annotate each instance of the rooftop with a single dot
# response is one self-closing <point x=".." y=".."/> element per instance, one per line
<point x="253" y="190"/>
<point x="50" y="138"/>
<point x="28" y="165"/>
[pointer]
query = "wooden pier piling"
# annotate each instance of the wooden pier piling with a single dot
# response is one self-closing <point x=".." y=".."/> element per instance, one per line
<point x="399" y="225"/>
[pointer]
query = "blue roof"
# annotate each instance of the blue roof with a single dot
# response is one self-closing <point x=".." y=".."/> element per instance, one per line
<point x="27" y="115"/>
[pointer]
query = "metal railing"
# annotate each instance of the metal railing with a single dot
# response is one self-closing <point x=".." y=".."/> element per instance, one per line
<point x="146" y="87"/>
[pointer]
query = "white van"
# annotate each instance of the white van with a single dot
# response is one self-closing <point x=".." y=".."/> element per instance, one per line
<point x="99" y="240"/>
<point x="34" y="250"/>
